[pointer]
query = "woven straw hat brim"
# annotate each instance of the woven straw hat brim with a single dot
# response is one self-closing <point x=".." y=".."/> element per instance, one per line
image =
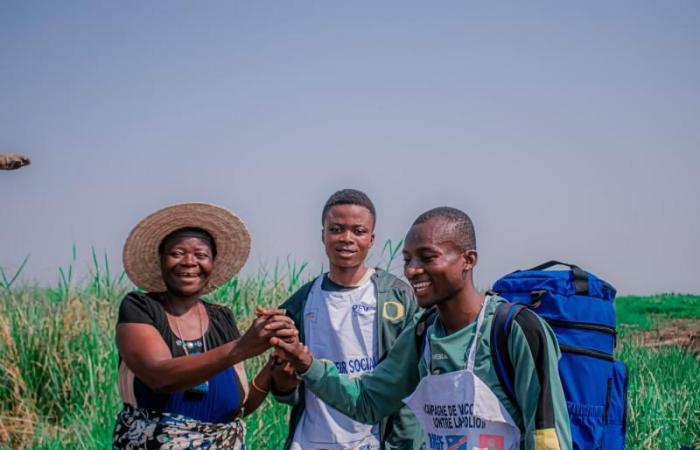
<point x="141" y="258"/>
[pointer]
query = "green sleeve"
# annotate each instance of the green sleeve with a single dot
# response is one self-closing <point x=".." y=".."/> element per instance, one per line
<point x="538" y="390"/>
<point x="371" y="396"/>
<point x="412" y="307"/>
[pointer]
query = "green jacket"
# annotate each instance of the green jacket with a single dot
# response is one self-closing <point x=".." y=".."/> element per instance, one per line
<point x="396" y="308"/>
<point x="540" y="413"/>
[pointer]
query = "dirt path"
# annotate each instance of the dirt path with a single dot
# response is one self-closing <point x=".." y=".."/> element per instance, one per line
<point x="679" y="332"/>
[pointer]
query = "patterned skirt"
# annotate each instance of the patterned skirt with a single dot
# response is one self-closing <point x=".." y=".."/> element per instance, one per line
<point x="139" y="429"/>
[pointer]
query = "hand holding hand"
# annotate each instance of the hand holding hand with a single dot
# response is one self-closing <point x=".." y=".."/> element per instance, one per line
<point x="259" y="336"/>
<point x="295" y="352"/>
<point x="261" y="311"/>
<point x="284" y="378"/>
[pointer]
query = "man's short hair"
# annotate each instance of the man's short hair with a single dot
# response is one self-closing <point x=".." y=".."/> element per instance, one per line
<point x="349" y="197"/>
<point x="461" y="228"/>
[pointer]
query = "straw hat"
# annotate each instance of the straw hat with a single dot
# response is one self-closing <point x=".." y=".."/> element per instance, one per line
<point x="141" y="258"/>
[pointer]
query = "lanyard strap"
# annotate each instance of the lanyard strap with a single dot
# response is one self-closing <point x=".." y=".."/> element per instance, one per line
<point x="471" y="356"/>
<point x="472" y="351"/>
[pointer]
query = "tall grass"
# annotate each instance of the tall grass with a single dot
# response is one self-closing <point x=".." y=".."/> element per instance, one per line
<point x="58" y="361"/>
<point x="664" y="403"/>
<point x="635" y="312"/>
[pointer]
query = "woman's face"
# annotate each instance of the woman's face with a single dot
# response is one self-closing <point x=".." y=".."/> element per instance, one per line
<point x="186" y="264"/>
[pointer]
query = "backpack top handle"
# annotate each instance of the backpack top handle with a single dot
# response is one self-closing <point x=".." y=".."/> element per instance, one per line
<point x="580" y="275"/>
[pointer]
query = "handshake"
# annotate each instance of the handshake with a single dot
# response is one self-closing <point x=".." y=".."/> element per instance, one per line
<point x="290" y="356"/>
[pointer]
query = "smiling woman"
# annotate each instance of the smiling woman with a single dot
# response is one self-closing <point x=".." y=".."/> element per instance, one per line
<point x="180" y="358"/>
<point x="187" y="259"/>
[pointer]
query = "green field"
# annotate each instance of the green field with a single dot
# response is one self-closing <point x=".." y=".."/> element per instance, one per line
<point x="58" y="378"/>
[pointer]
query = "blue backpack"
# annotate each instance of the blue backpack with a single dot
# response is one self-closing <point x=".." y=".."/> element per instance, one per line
<point x="579" y="308"/>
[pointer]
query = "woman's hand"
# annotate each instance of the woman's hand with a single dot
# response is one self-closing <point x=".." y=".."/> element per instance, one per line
<point x="145" y="352"/>
<point x="272" y="325"/>
<point x="284" y="377"/>
<point x="295" y="352"/>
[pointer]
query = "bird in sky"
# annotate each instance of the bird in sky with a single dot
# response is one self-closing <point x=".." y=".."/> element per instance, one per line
<point x="13" y="161"/>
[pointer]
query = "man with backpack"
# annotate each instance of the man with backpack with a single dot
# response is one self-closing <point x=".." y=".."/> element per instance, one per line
<point x="352" y="316"/>
<point x="442" y="366"/>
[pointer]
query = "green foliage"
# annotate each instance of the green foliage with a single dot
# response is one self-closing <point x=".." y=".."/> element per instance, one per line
<point x="58" y="362"/>
<point x="663" y="402"/>
<point x="644" y="312"/>
<point x="9" y="280"/>
<point x="65" y="279"/>
<point x="390" y="253"/>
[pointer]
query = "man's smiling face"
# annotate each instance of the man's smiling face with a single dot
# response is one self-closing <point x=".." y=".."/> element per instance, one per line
<point x="433" y="264"/>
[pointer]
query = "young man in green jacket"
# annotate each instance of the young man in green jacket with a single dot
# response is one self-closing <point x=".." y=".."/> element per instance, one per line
<point x="448" y="379"/>
<point x="352" y="316"/>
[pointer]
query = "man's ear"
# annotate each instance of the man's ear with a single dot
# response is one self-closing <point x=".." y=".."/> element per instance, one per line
<point x="371" y="243"/>
<point x="322" y="238"/>
<point x="470" y="258"/>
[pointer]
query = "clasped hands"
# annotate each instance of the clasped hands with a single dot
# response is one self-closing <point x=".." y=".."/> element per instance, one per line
<point x="290" y="356"/>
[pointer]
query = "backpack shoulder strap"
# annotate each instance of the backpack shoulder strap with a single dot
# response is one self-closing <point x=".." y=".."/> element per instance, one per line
<point x="426" y="319"/>
<point x="536" y="335"/>
<point x="500" y="330"/>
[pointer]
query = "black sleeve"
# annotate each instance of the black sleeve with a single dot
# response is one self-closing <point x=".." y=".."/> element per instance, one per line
<point x="137" y="308"/>
<point x="228" y="323"/>
<point x="294" y="304"/>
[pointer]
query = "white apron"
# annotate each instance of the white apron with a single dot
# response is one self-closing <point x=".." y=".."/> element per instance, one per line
<point x="458" y="411"/>
<point x="341" y="327"/>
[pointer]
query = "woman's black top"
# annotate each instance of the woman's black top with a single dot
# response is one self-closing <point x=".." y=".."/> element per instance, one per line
<point x="219" y="399"/>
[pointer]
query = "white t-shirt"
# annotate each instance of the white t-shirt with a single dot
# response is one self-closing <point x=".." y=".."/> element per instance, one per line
<point x="340" y="326"/>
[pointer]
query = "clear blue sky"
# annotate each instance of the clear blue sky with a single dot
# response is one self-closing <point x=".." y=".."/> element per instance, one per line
<point x="566" y="130"/>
